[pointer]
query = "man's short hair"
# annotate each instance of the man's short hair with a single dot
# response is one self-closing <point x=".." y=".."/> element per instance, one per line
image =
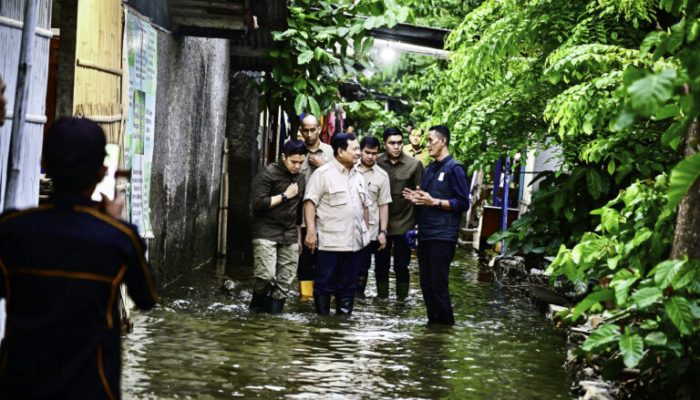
<point x="443" y="131"/>
<point x="391" y="131"/>
<point x="340" y="141"/>
<point x="74" y="152"/>
<point x="369" y="141"/>
<point x="294" y="146"/>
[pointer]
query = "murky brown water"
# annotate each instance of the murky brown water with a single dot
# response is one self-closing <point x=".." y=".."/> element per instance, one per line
<point x="204" y="344"/>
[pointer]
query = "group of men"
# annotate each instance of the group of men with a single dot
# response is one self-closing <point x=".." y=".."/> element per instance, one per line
<point x="336" y="206"/>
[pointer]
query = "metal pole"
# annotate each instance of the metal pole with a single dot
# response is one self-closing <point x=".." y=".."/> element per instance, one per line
<point x="497" y="183"/>
<point x="504" y="215"/>
<point x="24" y="75"/>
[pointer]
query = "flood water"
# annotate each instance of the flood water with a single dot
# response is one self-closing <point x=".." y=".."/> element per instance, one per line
<point x="202" y="343"/>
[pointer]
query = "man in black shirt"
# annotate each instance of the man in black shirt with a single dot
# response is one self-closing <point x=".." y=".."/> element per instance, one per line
<point x="61" y="265"/>
<point x="277" y="206"/>
<point x="441" y="199"/>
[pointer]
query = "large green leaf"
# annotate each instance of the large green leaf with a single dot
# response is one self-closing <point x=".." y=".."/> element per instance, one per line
<point x="300" y="85"/>
<point x="645" y="297"/>
<point x="590" y="301"/>
<point x="665" y="271"/>
<point x="300" y="103"/>
<point x="305" y="57"/>
<point x="651" y="92"/>
<point x="596" y="184"/>
<point x="683" y="177"/>
<point x="656" y="339"/>
<point x="678" y="310"/>
<point x="602" y="336"/>
<point x="313" y="105"/>
<point x="632" y="349"/>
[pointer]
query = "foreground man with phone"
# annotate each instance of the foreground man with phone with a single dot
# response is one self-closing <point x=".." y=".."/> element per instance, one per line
<point x="61" y="265"/>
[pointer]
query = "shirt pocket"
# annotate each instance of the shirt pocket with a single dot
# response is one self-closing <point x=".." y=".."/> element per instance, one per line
<point x="338" y="197"/>
<point x="373" y="193"/>
<point x="402" y="181"/>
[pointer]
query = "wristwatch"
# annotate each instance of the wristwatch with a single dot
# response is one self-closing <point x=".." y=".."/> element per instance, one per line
<point x="284" y="198"/>
<point x="383" y="231"/>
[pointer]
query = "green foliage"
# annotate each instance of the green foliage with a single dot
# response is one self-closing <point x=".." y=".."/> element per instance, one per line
<point x="655" y="301"/>
<point x="321" y="47"/>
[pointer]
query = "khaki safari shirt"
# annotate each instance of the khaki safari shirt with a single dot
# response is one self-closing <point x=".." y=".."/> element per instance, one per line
<point x="340" y="197"/>
<point x="325" y="151"/>
<point x="421" y="154"/>
<point x="379" y="194"/>
<point x="406" y="173"/>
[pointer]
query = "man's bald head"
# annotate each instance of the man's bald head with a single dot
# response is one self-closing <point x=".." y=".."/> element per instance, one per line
<point x="309" y="131"/>
<point x="309" y="119"/>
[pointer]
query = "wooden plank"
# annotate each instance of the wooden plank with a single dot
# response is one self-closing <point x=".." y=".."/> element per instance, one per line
<point x="227" y="23"/>
<point x="92" y="65"/>
<point x="203" y="4"/>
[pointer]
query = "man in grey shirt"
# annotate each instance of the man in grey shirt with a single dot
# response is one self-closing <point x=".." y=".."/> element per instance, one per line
<point x="405" y="172"/>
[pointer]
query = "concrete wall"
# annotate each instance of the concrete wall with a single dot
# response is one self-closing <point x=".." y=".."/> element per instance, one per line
<point x="190" y="124"/>
<point x="242" y="131"/>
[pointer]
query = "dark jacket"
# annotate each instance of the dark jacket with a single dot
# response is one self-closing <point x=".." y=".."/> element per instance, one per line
<point x="443" y="180"/>
<point x="276" y="224"/>
<point x="61" y="265"/>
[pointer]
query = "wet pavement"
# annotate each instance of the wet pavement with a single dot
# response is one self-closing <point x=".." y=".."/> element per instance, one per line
<point x="203" y="343"/>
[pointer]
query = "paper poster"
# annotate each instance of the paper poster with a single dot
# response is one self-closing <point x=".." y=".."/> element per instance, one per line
<point x="142" y="55"/>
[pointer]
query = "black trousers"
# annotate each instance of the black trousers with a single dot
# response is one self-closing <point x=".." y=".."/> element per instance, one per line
<point x="307" y="261"/>
<point x="366" y="258"/>
<point x="402" y="257"/>
<point x="337" y="273"/>
<point x="434" y="258"/>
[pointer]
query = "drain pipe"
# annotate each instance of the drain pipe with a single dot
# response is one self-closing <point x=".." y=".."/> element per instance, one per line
<point x="19" y="120"/>
<point x="504" y="214"/>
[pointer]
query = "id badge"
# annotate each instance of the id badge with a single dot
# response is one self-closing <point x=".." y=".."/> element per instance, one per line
<point x="441" y="177"/>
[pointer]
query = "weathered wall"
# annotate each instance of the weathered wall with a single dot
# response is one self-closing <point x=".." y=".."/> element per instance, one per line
<point x="242" y="131"/>
<point x="193" y="77"/>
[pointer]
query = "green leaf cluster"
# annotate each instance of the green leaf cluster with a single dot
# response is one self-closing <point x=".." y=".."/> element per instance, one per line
<point x="322" y="46"/>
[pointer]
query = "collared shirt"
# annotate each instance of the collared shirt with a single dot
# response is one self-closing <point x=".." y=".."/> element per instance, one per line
<point x="340" y="197"/>
<point x="379" y="194"/>
<point x="421" y="154"/>
<point x="61" y="265"/>
<point x="457" y="181"/>
<point x="324" y="151"/>
<point x="405" y="173"/>
<point x="277" y="224"/>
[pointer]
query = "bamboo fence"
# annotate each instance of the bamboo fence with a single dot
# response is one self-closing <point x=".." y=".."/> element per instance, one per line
<point x="98" y="73"/>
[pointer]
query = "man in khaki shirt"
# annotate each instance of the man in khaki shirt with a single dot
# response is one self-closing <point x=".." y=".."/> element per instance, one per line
<point x="335" y="206"/>
<point x="405" y="172"/>
<point x="415" y="148"/>
<point x="319" y="153"/>
<point x="380" y="197"/>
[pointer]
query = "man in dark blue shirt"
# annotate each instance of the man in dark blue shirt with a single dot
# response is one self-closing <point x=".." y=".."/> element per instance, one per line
<point x="442" y="197"/>
<point x="61" y="265"/>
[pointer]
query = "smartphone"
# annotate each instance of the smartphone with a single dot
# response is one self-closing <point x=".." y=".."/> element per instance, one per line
<point x="108" y="186"/>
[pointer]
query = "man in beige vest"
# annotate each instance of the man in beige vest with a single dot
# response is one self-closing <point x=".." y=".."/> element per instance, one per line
<point x="335" y="210"/>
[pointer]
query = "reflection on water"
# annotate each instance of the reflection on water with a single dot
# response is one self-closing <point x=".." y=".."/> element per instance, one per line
<point x="204" y="344"/>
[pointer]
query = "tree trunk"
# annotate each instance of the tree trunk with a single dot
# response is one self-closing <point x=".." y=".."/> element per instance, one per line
<point x="686" y="239"/>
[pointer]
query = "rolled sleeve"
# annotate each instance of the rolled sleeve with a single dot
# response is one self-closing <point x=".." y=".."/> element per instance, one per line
<point x="314" y="189"/>
<point x="458" y="178"/>
<point x="384" y="193"/>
